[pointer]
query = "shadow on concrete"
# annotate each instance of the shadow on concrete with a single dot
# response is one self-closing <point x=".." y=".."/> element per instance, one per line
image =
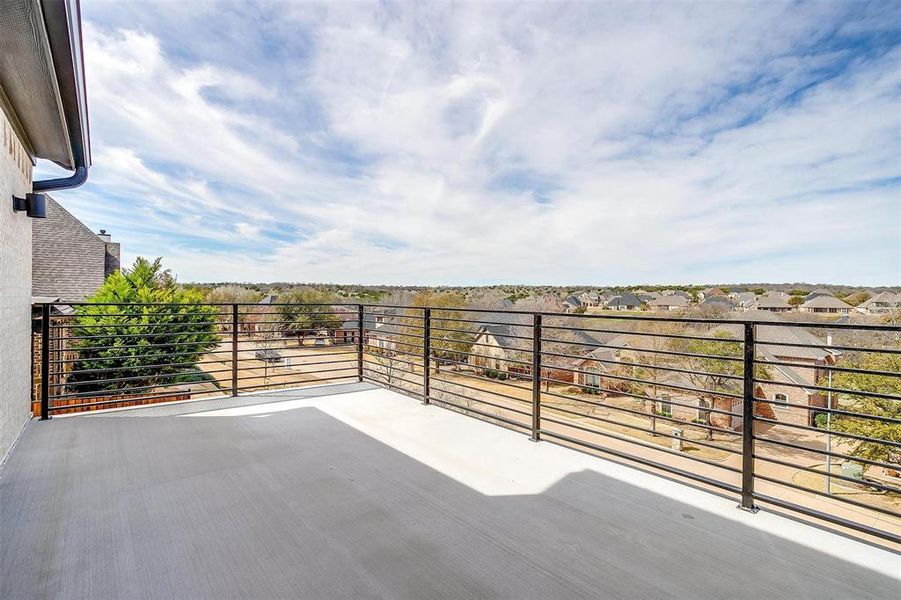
<point x="300" y="505"/>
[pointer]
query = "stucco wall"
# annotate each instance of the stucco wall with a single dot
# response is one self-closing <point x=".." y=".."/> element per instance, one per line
<point x="15" y="289"/>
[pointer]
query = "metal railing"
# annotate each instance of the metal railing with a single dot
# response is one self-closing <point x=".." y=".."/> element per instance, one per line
<point x="770" y="411"/>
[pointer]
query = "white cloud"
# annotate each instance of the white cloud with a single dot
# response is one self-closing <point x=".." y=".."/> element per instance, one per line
<point x="444" y="143"/>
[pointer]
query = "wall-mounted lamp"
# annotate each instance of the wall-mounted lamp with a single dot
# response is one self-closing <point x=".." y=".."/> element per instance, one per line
<point x="34" y="205"/>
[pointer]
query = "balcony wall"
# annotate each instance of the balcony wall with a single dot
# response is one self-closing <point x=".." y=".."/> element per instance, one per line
<point x="15" y="288"/>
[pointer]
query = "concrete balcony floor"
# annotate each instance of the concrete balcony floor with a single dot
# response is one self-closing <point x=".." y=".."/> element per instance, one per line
<point x="355" y="491"/>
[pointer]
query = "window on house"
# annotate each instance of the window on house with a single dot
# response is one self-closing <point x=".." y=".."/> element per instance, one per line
<point x="780" y="399"/>
<point x="664" y="406"/>
<point x="592" y="378"/>
<point x="703" y="414"/>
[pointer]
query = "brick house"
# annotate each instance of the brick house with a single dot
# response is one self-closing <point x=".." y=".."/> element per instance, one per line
<point x="825" y="303"/>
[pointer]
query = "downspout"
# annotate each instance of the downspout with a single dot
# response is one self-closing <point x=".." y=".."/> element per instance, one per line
<point x="64" y="183"/>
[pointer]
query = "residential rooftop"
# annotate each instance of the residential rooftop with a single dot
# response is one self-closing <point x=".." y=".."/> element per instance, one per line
<point x="357" y="491"/>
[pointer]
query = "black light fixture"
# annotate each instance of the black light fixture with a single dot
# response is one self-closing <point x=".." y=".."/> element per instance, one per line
<point x="34" y="205"/>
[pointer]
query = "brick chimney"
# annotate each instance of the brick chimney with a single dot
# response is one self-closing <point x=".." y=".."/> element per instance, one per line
<point x="111" y="261"/>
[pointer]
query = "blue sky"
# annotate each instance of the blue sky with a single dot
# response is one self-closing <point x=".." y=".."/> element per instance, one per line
<point x="438" y="143"/>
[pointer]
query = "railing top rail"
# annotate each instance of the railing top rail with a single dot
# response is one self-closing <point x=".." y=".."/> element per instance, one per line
<point x="612" y="316"/>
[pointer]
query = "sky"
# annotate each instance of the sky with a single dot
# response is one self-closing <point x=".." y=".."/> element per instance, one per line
<point x="475" y="144"/>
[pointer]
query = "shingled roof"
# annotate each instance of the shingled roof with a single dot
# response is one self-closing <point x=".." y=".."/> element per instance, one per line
<point x="69" y="260"/>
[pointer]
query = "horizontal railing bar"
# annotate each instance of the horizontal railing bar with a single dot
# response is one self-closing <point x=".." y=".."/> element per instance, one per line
<point x="829" y="368"/>
<point x="451" y="330"/>
<point x="128" y="356"/>
<point x="647" y="415"/>
<point x="835" y="411"/>
<point x="481" y="401"/>
<point x="482" y="413"/>
<point x="394" y="376"/>
<point x="879" y="486"/>
<point x="441" y="339"/>
<point x="378" y="325"/>
<point x="296" y="384"/>
<point x="393" y="387"/>
<point x="298" y="373"/>
<point x="168" y="334"/>
<point x="637" y="442"/>
<point x="254" y="304"/>
<point x="135" y="378"/>
<point x="308" y="332"/>
<point x="73" y="384"/>
<point x="401" y="352"/>
<point x="482" y="390"/>
<point x="396" y="342"/>
<point x="129" y="346"/>
<point x="482" y="377"/>
<point x="832" y="347"/>
<point x="647" y="382"/>
<point x="641" y="365"/>
<point x="612" y="316"/>
<point x="637" y="428"/>
<point x="387" y="366"/>
<point x="373" y="364"/>
<point x="820" y="325"/>
<point x="478" y="322"/>
<point x="300" y="364"/>
<point x="101" y="393"/>
<point x="506" y="360"/>
<point x="835" y="497"/>
<point x="646" y="398"/>
<point x="861" y="393"/>
<point x="677" y="336"/>
<point x="641" y="350"/>
<point x="135" y="367"/>
<point x="312" y="355"/>
<point x="848" y="457"/>
<point x="133" y="324"/>
<point x="810" y="512"/>
<point x="835" y="432"/>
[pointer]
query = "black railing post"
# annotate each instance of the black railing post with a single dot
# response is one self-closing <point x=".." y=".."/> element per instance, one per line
<point x="45" y="362"/>
<point x="426" y="352"/>
<point x="536" y="377"/>
<point x="747" y="424"/>
<point x="360" y="342"/>
<point x="234" y="349"/>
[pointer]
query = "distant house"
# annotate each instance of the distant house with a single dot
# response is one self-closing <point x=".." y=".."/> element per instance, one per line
<point x="720" y="302"/>
<point x="571" y="303"/>
<point x="772" y="302"/>
<point x="673" y="302"/>
<point x="503" y="345"/>
<point x="625" y="301"/>
<point x="882" y="302"/>
<point x="379" y="327"/>
<point x="70" y="262"/>
<point x="817" y="293"/>
<point x="711" y="291"/>
<point x="826" y="304"/>
<point x="743" y="300"/>
<point x="348" y="332"/>
<point x="609" y="359"/>
<point x="781" y="344"/>
<point x="682" y="293"/>
<point x="589" y="299"/>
